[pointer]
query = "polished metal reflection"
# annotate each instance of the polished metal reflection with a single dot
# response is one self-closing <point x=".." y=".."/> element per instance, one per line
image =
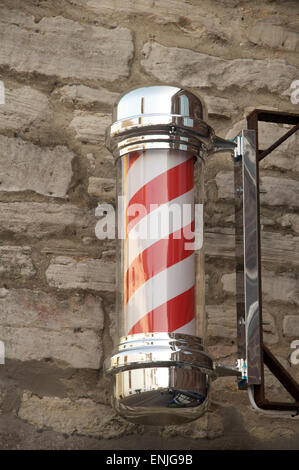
<point x="239" y="240"/>
<point x="160" y="378"/>
<point x="161" y="395"/>
<point x="156" y="100"/>
<point x="142" y="349"/>
<point x="161" y="117"/>
<point x="251" y="260"/>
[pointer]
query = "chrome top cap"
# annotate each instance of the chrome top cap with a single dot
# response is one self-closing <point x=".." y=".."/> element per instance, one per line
<point x="157" y="100"/>
<point x="157" y="117"/>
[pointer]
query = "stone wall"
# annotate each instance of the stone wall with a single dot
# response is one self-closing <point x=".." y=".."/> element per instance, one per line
<point x="63" y="63"/>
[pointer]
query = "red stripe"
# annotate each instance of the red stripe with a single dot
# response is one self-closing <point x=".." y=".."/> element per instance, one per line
<point x="133" y="156"/>
<point x="165" y="187"/>
<point x="170" y="316"/>
<point x="159" y="256"/>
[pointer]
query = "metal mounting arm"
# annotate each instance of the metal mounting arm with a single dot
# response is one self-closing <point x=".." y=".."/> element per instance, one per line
<point x="248" y="266"/>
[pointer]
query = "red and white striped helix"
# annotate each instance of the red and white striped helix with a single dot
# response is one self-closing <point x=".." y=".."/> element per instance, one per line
<point x="159" y="271"/>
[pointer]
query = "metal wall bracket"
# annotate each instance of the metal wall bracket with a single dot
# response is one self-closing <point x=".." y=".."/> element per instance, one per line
<point x="248" y="263"/>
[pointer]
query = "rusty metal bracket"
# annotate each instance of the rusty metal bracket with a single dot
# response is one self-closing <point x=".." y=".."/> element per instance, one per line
<point x="257" y="354"/>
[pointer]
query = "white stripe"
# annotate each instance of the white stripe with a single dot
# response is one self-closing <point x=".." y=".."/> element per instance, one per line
<point x="166" y="285"/>
<point x="149" y="166"/>
<point x="188" y="329"/>
<point x="147" y="231"/>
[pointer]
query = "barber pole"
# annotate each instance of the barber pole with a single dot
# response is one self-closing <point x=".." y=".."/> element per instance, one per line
<point x="160" y="371"/>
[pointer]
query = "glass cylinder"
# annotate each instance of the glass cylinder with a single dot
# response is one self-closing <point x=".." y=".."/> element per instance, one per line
<point x="160" y="271"/>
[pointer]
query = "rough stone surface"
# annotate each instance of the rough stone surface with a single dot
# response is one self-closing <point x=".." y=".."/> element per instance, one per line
<point x="183" y="15"/>
<point x="278" y="428"/>
<point x="222" y="324"/>
<point x="169" y="64"/>
<point x="275" y="36"/>
<point x="65" y="272"/>
<point x="281" y="161"/>
<point x="38" y="219"/>
<point x="220" y="107"/>
<point x="25" y="166"/>
<point x="68" y="58"/>
<point x="221" y="321"/>
<point x="75" y="349"/>
<point x="84" y="95"/>
<point x="275" y="191"/>
<point x="23" y="107"/>
<point x="63" y="64"/>
<point x="82" y="416"/>
<point x="90" y="127"/>
<point x="34" y="308"/>
<point x="103" y="188"/>
<point x="290" y="221"/>
<point x="277" y="248"/>
<point x="16" y="262"/>
<point x="291" y="326"/>
<point x="275" y="287"/>
<point x="209" y="426"/>
<point x="36" y="325"/>
<point x="280" y="191"/>
<point x="269" y="133"/>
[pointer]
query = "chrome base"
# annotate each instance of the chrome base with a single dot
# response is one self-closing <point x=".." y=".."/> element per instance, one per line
<point x="160" y="378"/>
